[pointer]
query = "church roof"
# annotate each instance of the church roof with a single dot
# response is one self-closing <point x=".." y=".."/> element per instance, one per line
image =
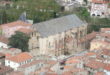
<point x="58" y="25"/>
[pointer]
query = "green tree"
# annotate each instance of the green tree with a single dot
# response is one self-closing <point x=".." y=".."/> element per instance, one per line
<point x="86" y="1"/>
<point x="4" y="17"/>
<point x="84" y="14"/>
<point x="19" y="40"/>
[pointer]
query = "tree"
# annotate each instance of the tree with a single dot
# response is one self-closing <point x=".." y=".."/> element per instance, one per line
<point x="19" y="40"/>
<point x="83" y="12"/>
<point x="4" y="17"/>
<point x="86" y="1"/>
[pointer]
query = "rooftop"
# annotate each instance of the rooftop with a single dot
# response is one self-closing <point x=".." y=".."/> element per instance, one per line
<point x="107" y="67"/>
<point x="30" y="64"/>
<point x="4" y="39"/>
<point x="101" y="1"/>
<point x="16" y="23"/>
<point x="16" y="73"/>
<point x="58" y="25"/>
<point x="88" y="37"/>
<point x="5" y="69"/>
<point x="104" y="29"/>
<point x="25" y="30"/>
<point x="20" y="57"/>
<point x="95" y="64"/>
<point x="1" y="54"/>
<point x="99" y="73"/>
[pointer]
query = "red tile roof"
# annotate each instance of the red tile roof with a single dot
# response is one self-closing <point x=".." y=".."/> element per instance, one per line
<point x="30" y="64"/>
<point x="51" y="74"/>
<point x="25" y="30"/>
<point x="106" y="52"/>
<point x="4" y="39"/>
<point x="107" y="67"/>
<point x="90" y="54"/>
<point x="74" y="71"/>
<point x="99" y="73"/>
<point x="95" y="64"/>
<point x="78" y="70"/>
<point x="5" y="69"/>
<point x="101" y="1"/>
<point x="51" y="62"/>
<point x="104" y="42"/>
<point x="67" y="73"/>
<point x="68" y="67"/>
<point x="16" y="73"/>
<point x="7" y="55"/>
<point x="88" y="37"/>
<point x="72" y="61"/>
<point x="1" y="54"/>
<point x="6" y="2"/>
<point x="104" y="29"/>
<point x="106" y="35"/>
<point x="16" y="23"/>
<point x="20" y="57"/>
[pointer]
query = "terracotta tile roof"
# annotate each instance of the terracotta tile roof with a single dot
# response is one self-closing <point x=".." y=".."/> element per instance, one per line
<point x="7" y="55"/>
<point x="90" y="54"/>
<point x="101" y="1"/>
<point x="6" y="2"/>
<point x="4" y="39"/>
<point x="88" y="37"/>
<point x="78" y="70"/>
<point x="45" y="70"/>
<point x="1" y="54"/>
<point x="16" y="73"/>
<point x="67" y="73"/>
<point x="20" y="57"/>
<point x="106" y="52"/>
<point x="106" y="35"/>
<point x="95" y="64"/>
<point x="104" y="29"/>
<point x="107" y="67"/>
<point x="13" y="49"/>
<point x="4" y="69"/>
<point x="99" y="73"/>
<point x="25" y="30"/>
<point x="72" y="61"/>
<point x="30" y="64"/>
<point x="51" y="62"/>
<point x="104" y="42"/>
<point x="68" y="67"/>
<point x="51" y="74"/>
<point x="16" y="23"/>
<point x="74" y="70"/>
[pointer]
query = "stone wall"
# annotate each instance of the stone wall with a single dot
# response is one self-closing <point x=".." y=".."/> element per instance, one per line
<point x="61" y="43"/>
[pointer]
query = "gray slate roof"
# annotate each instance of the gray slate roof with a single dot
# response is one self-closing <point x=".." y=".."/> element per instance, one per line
<point x="58" y="25"/>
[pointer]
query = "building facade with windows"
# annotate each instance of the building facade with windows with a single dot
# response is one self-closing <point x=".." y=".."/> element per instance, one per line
<point x="18" y="60"/>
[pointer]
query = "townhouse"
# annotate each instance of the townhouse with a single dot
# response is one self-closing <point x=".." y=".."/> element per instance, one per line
<point x="10" y="28"/>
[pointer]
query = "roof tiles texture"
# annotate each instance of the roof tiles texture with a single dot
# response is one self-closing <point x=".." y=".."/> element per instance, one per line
<point x="25" y="30"/>
<point x="95" y="64"/>
<point x="88" y="37"/>
<point x="4" y="39"/>
<point x="20" y="57"/>
<point x="5" y="69"/>
<point x="101" y="1"/>
<point x="16" y="23"/>
<point x="58" y="25"/>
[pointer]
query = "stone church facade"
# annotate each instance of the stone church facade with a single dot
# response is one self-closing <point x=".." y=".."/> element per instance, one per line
<point x="58" y="36"/>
